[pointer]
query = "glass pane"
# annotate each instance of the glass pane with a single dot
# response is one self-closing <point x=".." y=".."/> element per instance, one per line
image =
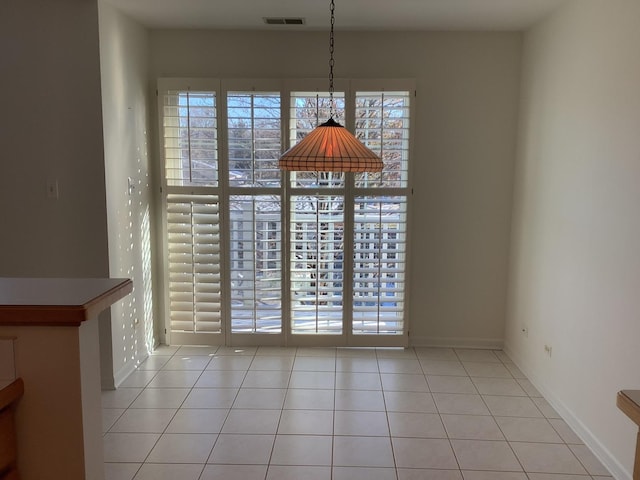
<point x="190" y="138"/>
<point x="256" y="264"/>
<point x="382" y="124"/>
<point x="379" y="265"/>
<point x="254" y="132"/>
<point x="317" y="236"/>
<point x="308" y="110"/>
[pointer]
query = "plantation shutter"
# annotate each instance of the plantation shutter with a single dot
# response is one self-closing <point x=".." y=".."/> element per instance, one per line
<point x="308" y="110"/>
<point x="256" y="264"/>
<point x="316" y="226"/>
<point x="322" y="260"/>
<point x="254" y="132"/>
<point x="379" y="265"/>
<point x="190" y="138"/>
<point x="193" y="238"/>
<point x="192" y="210"/>
<point x="317" y="263"/>
<point x="380" y="215"/>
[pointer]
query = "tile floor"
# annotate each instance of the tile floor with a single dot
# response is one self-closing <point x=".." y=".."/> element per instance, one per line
<point x="209" y="413"/>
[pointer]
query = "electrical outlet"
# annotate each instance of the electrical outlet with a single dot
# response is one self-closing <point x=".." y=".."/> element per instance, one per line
<point x="547" y="350"/>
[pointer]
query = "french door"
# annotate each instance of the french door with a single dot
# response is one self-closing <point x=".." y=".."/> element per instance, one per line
<point x="257" y="256"/>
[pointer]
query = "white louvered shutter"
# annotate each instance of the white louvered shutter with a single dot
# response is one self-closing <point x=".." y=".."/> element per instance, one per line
<point x="255" y="211"/>
<point x="193" y="238"/>
<point x="308" y="110"/>
<point x="327" y="252"/>
<point x="379" y="265"/>
<point x="316" y="238"/>
<point x="256" y="264"/>
<point x="380" y="215"/>
<point x="190" y="138"/>
<point x="317" y="263"/>
<point x="192" y="217"/>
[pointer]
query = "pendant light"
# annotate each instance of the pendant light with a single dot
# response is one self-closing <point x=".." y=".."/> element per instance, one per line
<point x="330" y="147"/>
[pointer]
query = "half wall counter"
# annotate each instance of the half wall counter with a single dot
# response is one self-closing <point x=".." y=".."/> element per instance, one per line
<point x="57" y="355"/>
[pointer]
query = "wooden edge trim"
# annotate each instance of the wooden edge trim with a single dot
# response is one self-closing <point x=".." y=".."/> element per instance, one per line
<point x="63" y="315"/>
<point x="108" y="298"/>
<point x="11" y="393"/>
<point x="41" y="316"/>
<point x="629" y="407"/>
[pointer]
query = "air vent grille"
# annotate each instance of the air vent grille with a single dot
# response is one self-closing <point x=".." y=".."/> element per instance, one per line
<point x="283" y="21"/>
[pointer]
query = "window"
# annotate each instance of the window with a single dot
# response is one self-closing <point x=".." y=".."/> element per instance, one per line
<point x="254" y="130"/>
<point x="259" y="256"/>
<point x="380" y="218"/>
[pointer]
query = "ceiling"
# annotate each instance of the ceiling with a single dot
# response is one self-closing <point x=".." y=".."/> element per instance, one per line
<point x="350" y="14"/>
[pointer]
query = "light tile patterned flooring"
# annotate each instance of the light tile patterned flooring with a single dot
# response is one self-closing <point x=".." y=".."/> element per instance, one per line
<point x="209" y="413"/>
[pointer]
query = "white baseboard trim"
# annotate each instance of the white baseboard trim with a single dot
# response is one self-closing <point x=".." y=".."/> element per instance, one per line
<point x="122" y="374"/>
<point x="457" y="342"/>
<point x="106" y="383"/>
<point x="617" y="470"/>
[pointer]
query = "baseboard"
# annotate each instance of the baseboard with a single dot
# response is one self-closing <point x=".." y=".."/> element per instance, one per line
<point x="617" y="470"/>
<point x="122" y="374"/>
<point x="106" y="382"/>
<point x="457" y="342"/>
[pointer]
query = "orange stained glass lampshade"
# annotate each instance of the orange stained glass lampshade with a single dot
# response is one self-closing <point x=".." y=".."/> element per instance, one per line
<point x="330" y="148"/>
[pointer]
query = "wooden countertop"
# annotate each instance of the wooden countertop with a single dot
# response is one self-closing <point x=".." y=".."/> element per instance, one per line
<point x="11" y="392"/>
<point x="629" y="402"/>
<point x="58" y="301"/>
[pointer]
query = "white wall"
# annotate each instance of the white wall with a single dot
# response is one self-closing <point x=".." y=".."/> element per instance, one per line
<point x="575" y="266"/>
<point x="463" y="157"/>
<point x="51" y="128"/>
<point x="125" y="100"/>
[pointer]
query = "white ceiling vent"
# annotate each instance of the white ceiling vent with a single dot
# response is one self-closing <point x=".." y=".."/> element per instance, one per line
<point x="283" y="21"/>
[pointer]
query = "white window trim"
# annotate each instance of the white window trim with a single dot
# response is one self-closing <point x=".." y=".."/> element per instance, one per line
<point x="221" y="87"/>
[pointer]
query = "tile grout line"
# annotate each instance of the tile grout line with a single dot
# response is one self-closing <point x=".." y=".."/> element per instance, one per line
<point x="228" y="412"/>
<point x="386" y="412"/>
<point x="453" y="450"/>
<point x="177" y="409"/>
<point x="383" y="390"/>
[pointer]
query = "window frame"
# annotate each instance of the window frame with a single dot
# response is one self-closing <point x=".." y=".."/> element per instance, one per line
<point x="222" y="87"/>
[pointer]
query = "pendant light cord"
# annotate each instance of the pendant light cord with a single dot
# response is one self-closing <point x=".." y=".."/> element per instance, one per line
<point x="331" y="61"/>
